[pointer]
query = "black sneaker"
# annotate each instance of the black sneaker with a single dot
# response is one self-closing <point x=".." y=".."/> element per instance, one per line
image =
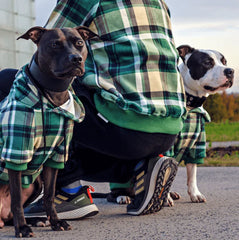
<point x="77" y="206"/>
<point x="152" y="183"/>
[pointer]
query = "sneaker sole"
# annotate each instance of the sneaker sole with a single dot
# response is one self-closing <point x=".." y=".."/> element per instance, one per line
<point x="78" y="213"/>
<point x="161" y="180"/>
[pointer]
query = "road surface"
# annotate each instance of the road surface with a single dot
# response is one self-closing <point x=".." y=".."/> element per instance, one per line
<point x="222" y="144"/>
<point x="218" y="219"/>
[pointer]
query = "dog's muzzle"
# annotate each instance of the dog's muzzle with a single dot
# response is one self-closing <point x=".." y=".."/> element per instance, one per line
<point x="229" y="73"/>
<point x="75" y="58"/>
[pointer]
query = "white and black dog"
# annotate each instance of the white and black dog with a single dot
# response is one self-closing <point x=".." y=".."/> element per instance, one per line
<point x="204" y="72"/>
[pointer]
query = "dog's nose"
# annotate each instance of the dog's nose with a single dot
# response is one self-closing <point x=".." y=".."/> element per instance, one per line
<point x="75" y="58"/>
<point x="229" y="72"/>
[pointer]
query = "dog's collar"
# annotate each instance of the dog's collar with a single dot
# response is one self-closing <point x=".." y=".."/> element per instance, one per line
<point x="46" y="82"/>
<point x="193" y="101"/>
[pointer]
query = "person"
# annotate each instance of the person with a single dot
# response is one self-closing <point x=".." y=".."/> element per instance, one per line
<point x="134" y="103"/>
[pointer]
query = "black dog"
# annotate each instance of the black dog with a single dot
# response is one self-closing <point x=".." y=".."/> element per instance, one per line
<point x="60" y="57"/>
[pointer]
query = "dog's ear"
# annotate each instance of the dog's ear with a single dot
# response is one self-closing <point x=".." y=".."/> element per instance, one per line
<point x="86" y="33"/>
<point x="34" y="34"/>
<point x="183" y="50"/>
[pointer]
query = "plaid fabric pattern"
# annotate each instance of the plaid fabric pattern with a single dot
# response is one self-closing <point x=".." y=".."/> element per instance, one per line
<point x="190" y="144"/>
<point x="21" y="135"/>
<point x="134" y="63"/>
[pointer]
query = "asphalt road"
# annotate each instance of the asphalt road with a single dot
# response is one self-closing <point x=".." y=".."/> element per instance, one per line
<point x="222" y="144"/>
<point x="216" y="219"/>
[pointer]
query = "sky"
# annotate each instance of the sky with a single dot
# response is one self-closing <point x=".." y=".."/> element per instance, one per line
<point x="202" y="24"/>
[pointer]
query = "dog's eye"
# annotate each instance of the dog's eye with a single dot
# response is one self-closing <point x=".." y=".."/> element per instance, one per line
<point x="224" y="61"/>
<point x="208" y="63"/>
<point x="54" y="44"/>
<point x="79" y="43"/>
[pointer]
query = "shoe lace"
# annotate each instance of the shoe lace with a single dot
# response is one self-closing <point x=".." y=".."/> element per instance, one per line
<point x="89" y="190"/>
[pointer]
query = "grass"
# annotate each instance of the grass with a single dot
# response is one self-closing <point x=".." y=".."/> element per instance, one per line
<point x="227" y="160"/>
<point x="222" y="132"/>
<point x="219" y="132"/>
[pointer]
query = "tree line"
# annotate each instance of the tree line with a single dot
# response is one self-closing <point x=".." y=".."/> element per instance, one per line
<point x="223" y="107"/>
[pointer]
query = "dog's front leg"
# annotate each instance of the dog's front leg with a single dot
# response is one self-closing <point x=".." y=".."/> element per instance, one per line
<point x="193" y="191"/>
<point x="49" y="179"/>
<point x="15" y="183"/>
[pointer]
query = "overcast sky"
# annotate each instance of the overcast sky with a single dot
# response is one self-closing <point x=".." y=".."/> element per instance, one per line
<point x="207" y="24"/>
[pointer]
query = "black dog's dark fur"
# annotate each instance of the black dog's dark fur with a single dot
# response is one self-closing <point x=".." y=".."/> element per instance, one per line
<point x="69" y="54"/>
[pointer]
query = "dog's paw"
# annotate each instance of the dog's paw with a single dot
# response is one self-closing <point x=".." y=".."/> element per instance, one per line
<point x="175" y="195"/>
<point x="119" y="199"/>
<point x="60" y="225"/>
<point x="196" y="196"/>
<point x="38" y="221"/>
<point x="1" y="223"/>
<point x="123" y="200"/>
<point x="170" y="199"/>
<point x="121" y="195"/>
<point x="24" y="231"/>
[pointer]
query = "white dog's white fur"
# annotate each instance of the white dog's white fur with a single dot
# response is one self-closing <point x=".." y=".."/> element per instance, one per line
<point x="195" y="195"/>
<point x="215" y="75"/>
<point x="216" y="78"/>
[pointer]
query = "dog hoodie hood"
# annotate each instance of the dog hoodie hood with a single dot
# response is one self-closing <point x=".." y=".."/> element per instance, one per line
<point x="27" y="93"/>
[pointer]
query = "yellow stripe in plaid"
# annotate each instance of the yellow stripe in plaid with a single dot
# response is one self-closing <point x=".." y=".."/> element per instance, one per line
<point x="155" y="82"/>
<point x="140" y="16"/>
<point x="54" y="16"/>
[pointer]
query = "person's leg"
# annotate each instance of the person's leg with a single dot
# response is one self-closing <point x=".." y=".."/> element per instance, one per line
<point x="155" y="175"/>
<point x="101" y="151"/>
<point x="111" y="153"/>
<point x="106" y="152"/>
<point x="72" y="188"/>
<point x="86" y="164"/>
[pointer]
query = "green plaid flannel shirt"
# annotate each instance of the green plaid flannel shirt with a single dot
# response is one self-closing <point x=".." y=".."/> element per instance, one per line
<point x="21" y="136"/>
<point x="133" y="65"/>
<point x="190" y="144"/>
